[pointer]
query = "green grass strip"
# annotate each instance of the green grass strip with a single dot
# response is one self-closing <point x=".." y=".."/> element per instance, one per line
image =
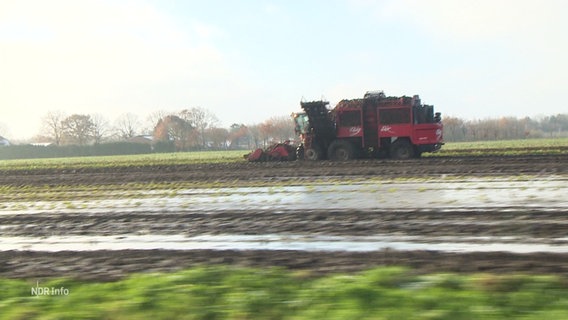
<point x="158" y="159"/>
<point x="222" y="292"/>
<point x="506" y="144"/>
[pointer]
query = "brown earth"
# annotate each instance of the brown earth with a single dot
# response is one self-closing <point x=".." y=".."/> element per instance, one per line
<point x="543" y="224"/>
<point x="426" y="167"/>
<point x="113" y="265"/>
<point x="535" y="225"/>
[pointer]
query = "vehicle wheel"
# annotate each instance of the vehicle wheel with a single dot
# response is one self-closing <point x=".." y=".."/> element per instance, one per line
<point x="417" y="154"/>
<point x="341" y="150"/>
<point x="401" y="149"/>
<point x="291" y="154"/>
<point x="312" y="153"/>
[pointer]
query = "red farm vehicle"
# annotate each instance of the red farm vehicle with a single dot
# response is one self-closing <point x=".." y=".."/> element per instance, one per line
<point x="375" y="126"/>
<point x="276" y="152"/>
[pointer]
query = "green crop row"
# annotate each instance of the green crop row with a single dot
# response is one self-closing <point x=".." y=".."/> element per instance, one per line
<point x="222" y="292"/>
<point x="498" y="152"/>
<point x="507" y="144"/>
<point x="157" y="159"/>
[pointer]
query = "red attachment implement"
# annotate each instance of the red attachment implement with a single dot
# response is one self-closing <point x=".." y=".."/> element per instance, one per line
<point x="276" y="152"/>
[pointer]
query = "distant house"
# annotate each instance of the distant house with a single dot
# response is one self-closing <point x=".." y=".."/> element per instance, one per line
<point x="145" y="139"/>
<point x="4" y="142"/>
<point x="41" y="144"/>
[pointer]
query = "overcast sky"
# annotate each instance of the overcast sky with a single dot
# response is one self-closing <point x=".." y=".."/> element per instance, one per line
<point x="249" y="60"/>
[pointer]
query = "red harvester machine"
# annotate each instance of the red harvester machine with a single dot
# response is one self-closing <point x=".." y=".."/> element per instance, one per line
<point x="374" y="126"/>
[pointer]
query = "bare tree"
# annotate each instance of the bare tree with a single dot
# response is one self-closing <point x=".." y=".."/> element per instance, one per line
<point x="127" y="126"/>
<point x="239" y="135"/>
<point x="255" y="137"/>
<point x="200" y="119"/>
<point x="282" y="128"/>
<point x="266" y="131"/>
<point x="101" y="127"/>
<point x="153" y="119"/>
<point x="455" y="129"/>
<point x="219" y="137"/>
<point x="77" y="129"/>
<point x="53" y="127"/>
<point x="278" y="128"/>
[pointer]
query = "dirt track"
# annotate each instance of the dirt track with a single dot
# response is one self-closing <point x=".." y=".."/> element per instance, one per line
<point x="536" y="225"/>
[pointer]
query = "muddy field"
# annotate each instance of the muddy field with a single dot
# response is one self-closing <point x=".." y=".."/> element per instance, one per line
<point x="460" y="214"/>
<point x="228" y="172"/>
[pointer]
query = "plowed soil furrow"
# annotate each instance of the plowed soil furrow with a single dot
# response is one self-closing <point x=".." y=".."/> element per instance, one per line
<point x="530" y="223"/>
<point x="113" y="265"/>
<point x="483" y="166"/>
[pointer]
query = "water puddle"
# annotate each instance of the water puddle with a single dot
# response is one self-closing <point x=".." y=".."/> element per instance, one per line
<point x="438" y="194"/>
<point x="273" y="242"/>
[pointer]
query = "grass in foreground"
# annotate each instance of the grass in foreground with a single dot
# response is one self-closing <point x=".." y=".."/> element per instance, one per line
<point x="221" y="292"/>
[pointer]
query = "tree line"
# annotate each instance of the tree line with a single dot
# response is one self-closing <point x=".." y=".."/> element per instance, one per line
<point x="505" y="128"/>
<point x="188" y="129"/>
<point x="198" y="129"/>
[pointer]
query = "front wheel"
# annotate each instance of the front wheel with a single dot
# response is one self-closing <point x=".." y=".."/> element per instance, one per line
<point x="401" y="150"/>
<point x="313" y="153"/>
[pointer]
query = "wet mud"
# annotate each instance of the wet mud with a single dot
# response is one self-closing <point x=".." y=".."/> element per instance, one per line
<point x="113" y="265"/>
<point x="485" y="221"/>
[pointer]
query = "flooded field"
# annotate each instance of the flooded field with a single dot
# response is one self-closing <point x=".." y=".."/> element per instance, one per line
<point x="286" y="242"/>
<point x="440" y="194"/>
<point x="517" y="217"/>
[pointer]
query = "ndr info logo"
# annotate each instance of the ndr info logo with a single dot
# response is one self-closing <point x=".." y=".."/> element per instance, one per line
<point x="49" y="291"/>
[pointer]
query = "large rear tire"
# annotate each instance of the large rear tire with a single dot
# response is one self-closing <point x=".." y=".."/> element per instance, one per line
<point x="341" y="150"/>
<point x="417" y="153"/>
<point x="401" y="150"/>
